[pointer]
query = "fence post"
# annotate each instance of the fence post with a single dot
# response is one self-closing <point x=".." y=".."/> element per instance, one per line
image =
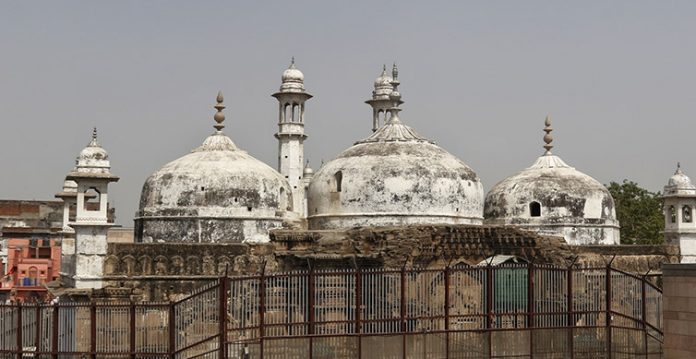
<point x="93" y="329"/>
<point x="402" y="312"/>
<point x="570" y="320"/>
<point x="608" y="310"/>
<point x="644" y="315"/>
<point x="132" y="329"/>
<point x="530" y="307"/>
<point x="262" y="309"/>
<point x="54" y="332"/>
<point x="19" y="330"/>
<point x="223" y="317"/>
<point x="38" y="328"/>
<point x="489" y="307"/>
<point x="358" y="308"/>
<point x="310" y="295"/>
<point x="447" y="311"/>
<point x="172" y="331"/>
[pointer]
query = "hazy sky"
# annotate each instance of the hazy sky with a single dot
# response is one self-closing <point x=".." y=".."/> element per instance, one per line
<point x="617" y="77"/>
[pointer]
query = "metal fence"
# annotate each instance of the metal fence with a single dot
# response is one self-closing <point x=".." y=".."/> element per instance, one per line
<point x="520" y="311"/>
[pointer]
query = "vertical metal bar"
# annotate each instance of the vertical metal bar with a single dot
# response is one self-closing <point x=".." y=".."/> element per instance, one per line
<point x="223" y="317"/>
<point x="262" y="310"/>
<point x="19" y="330"/>
<point x="530" y="307"/>
<point x="402" y="312"/>
<point x="93" y="330"/>
<point x="132" y="329"/>
<point x="172" y="331"/>
<point x="570" y="320"/>
<point x="310" y="295"/>
<point x="54" y="333"/>
<point x="489" y="308"/>
<point x="37" y="320"/>
<point x="447" y="311"/>
<point x="644" y="316"/>
<point x="608" y="311"/>
<point x="358" y="309"/>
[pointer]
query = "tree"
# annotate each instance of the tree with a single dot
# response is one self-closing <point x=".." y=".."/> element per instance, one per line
<point x="639" y="212"/>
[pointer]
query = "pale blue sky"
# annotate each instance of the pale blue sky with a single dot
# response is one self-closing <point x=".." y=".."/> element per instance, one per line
<point x="617" y="77"/>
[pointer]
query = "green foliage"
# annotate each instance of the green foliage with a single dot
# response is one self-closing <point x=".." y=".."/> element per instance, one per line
<point x="639" y="212"/>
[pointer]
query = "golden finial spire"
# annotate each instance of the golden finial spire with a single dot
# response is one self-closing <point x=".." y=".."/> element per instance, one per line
<point x="547" y="137"/>
<point x="219" y="117"/>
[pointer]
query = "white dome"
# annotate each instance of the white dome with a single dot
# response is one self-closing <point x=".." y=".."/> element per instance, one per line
<point x="394" y="177"/>
<point x="679" y="184"/>
<point x="292" y="79"/>
<point x="557" y="199"/>
<point x="93" y="158"/>
<point x="216" y="193"/>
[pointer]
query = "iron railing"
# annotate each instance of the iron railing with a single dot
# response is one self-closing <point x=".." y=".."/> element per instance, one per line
<point x="456" y="312"/>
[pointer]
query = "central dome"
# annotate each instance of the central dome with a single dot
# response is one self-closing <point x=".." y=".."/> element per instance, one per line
<point x="394" y="177"/>
<point x="216" y="193"/>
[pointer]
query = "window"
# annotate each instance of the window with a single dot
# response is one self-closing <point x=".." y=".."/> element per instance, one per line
<point x="535" y="209"/>
<point x="338" y="177"/>
<point x="686" y="214"/>
<point x="672" y="214"/>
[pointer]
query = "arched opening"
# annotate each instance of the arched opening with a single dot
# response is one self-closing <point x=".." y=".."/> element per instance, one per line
<point x="295" y="113"/>
<point x="672" y="214"/>
<point x="686" y="214"/>
<point x="338" y="178"/>
<point x="535" y="209"/>
<point x="33" y="275"/>
<point x="287" y="113"/>
<point x="91" y="200"/>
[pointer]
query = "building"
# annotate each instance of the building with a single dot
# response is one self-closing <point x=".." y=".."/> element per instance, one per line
<point x="31" y="264"/>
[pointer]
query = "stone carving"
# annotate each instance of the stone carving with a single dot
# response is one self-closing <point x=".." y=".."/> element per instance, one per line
<point x="223" y="265"/>
<point x="161" y="265"/>
<point x="193" y="265"/>
<point x="128" y="266"/>
<point x="145" y="265"/>
<point x="177" y="265"/>
<point x="208" y="265"/>
<point x="111" y="265"/>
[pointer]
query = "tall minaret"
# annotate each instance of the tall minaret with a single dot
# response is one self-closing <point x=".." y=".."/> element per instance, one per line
<point x="380" y="101"/>
<point x="291" y="109"/>
<point x="92" y="175"/>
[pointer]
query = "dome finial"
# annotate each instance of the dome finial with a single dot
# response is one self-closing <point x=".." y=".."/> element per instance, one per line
<point x="94" y="142"/>
<point x="678" y="171"/>
<point x="395" y="96"/>
<point x="547" y="137"/>
<point x="292" y="63"/>
<point x="219" y="117"/>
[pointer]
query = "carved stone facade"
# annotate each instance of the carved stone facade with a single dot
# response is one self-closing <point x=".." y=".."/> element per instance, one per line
<point x="171" y="271"/>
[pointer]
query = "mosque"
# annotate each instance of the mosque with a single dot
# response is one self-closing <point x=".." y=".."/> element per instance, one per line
<point x="219" y="195"/>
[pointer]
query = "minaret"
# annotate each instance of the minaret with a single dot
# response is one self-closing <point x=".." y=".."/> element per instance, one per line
<point x="92" y="175"/>
<point x="380" y="102"/>
<point x="679" y="204"/>
<point x="291" y="109"/>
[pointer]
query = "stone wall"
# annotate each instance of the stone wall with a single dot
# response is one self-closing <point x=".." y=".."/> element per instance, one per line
<point x="171" y="270"/>
<point x="679" y="313"/>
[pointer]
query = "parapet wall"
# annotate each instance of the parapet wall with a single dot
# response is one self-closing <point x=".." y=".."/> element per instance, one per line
<point x="170" y="270"/>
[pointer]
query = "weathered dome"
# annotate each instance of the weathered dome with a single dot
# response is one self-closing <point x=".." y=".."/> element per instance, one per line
<point x="216" y="193"/>
<point x="555" y="198"/>
<point x="383" y="85"/>
<point x="679" y="184"/>
<point x="292" y="79"/>
<point x="93" y="158"/>
<point x="394" y="177"/>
